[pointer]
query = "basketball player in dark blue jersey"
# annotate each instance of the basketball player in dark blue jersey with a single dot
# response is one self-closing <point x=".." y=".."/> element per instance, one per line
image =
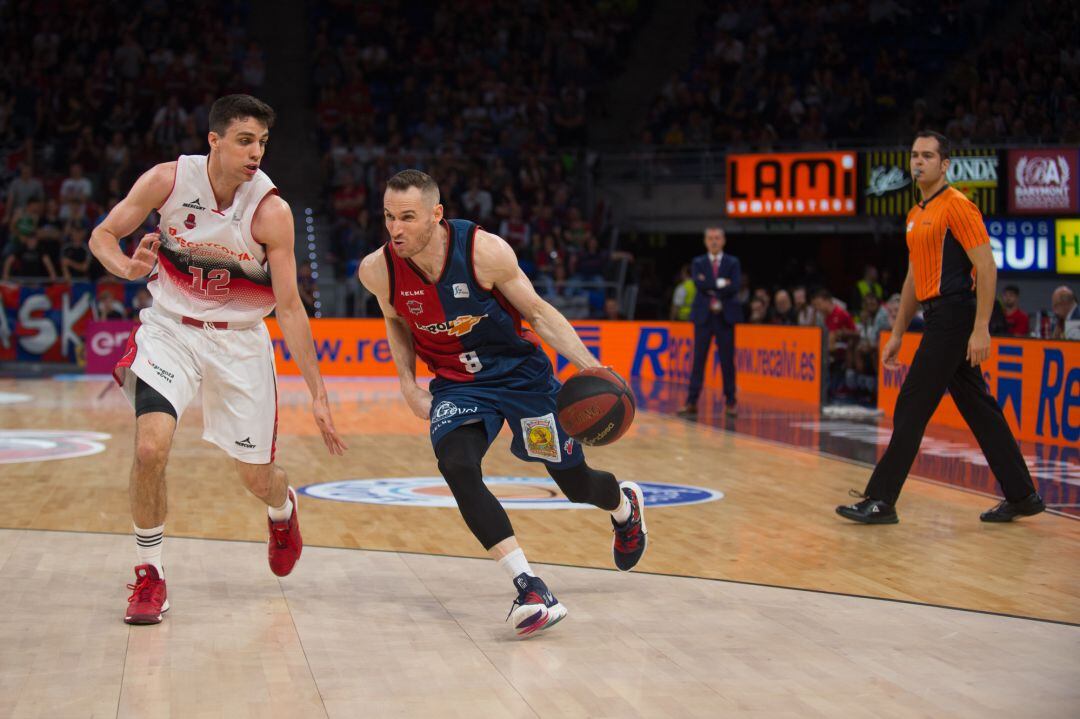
<point x="454" y="296"/>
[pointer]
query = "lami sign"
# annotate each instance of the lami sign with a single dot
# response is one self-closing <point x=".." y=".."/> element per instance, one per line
<point x="1022" y="245"/>
<point x="793" y="184"/>
<point x="1043" y="180"/>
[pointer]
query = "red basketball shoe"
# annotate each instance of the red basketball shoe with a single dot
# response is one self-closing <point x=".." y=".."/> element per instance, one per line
<point x="285" y="542"/>
<point x="631" y="538"/>
<point x="148" y="600"/>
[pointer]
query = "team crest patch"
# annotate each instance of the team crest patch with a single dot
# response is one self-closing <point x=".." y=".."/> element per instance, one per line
<point x="541" y="437"/>
<point x="461" y="290"/>
<point x="190" y="221"/>
<point x="414" y="307"/>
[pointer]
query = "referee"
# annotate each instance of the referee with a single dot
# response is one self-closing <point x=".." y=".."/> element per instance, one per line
<point x="951" y="272"/>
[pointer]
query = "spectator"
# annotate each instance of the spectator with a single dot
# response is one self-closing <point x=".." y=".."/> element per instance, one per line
<point x="108" y="305"/>
<point x="612" y="311"/>
<point x="168" y="125"/>
<point x="23" y="190"/>
<point x="783" y="311"/>
<point x="589" y="264"/>
<point x="866" y="286"/>
<point x="29" y="260"/>
<point x="841" y="332"/>
<point x="75" y="192"/>
<point x="1067" y="314"/>
<point x="24" y="223"/>
<point x="477" y="201"/>
<point x="758" y="313"/>
<point x="75" y="256"/>
<point x="683" y="298"/>
<point x="1016" y="320"/>
<point x="349" y="199"/>
<point x="805" y="314"/>
<point x="515" y="230"/>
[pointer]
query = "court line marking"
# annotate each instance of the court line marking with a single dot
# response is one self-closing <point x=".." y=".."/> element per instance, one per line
<point x="847" y="460"/>
<point x="911" y="602"/>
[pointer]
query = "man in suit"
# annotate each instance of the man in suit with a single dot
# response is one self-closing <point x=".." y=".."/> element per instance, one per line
<point x="714" y="313"/>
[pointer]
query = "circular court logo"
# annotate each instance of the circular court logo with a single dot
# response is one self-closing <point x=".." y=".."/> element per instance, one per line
<point x="35" y="445"/>
<point x="512" y="492"/>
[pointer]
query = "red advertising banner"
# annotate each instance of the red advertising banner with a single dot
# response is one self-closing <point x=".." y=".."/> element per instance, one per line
<point x="793" y="184"/>
<point x="1036" y="382"/>
<point x="105" y="342"/>
<point x="1044" y="181"/>
<point x="783" y="362"/>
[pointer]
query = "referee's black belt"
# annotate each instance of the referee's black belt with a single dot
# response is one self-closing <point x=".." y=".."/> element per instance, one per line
<point x="948" y="300"/>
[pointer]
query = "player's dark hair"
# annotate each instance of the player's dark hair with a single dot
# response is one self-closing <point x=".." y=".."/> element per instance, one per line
<point x="414" y="178"/>
<point x="1011" y="288"/>
<point x="821" y="294"/>
<point x="944" y="146"/>
<point x="239" y="107"/>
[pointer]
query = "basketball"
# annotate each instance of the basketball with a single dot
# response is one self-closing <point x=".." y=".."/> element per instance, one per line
<point x="595" y="406"/>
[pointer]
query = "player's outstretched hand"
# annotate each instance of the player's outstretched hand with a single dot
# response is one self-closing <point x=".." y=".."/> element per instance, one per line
<point x="321" y="409"/>
<point x="144" y="258"/>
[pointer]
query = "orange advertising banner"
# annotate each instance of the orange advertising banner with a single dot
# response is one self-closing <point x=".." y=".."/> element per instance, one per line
<point x="792" y="184"/>
<point x="1036" y="383"/>
<point x="783" y="362"/>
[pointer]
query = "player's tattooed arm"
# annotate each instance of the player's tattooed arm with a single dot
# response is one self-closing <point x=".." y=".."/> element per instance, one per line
<point x="496" y="266"/>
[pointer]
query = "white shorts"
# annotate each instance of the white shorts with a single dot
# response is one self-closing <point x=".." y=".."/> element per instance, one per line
<point x="233" y="367"/>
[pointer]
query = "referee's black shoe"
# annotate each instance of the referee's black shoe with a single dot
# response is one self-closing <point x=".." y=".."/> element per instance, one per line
<point x="868" y="511"/>
<point x="1006" y="511"/>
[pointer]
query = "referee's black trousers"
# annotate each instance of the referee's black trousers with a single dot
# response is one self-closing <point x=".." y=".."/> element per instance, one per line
<point x="940" y="363"/>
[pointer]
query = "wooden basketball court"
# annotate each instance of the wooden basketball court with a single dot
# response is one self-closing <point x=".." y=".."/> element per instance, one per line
<point x="763" y="603"/>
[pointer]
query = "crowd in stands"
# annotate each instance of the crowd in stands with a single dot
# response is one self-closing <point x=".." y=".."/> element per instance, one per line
<point x="1020" y="86"/>
<point x="765" y="74"/>
<point x="493" y="109"/>
<point x="92" y="95"/>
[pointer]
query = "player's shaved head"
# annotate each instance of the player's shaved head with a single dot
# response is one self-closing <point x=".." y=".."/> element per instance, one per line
<point x="429" y="189"/>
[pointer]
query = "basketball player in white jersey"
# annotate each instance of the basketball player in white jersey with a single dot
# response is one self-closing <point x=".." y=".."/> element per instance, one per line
<point x="221" y="261"/>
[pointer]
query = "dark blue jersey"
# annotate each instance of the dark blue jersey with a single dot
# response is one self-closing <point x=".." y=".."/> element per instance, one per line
<point x="464" y="333"/>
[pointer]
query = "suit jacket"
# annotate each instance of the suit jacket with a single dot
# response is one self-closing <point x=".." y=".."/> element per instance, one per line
<point x="701" y="271"/>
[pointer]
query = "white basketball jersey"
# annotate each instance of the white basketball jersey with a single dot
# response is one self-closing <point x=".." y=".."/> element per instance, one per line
<point x="209" y="266"/>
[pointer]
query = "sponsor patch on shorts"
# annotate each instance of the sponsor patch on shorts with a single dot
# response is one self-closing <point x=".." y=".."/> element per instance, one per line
<point x="541" y="437"/>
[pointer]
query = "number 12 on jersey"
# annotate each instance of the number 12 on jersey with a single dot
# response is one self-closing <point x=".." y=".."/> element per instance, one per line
<point x="471" y="361"/>
<point x="215" y="285"/>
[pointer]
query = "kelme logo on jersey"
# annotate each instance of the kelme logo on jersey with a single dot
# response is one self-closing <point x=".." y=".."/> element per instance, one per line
<point x="456" y="327"/>
<point x="512" y="492"/>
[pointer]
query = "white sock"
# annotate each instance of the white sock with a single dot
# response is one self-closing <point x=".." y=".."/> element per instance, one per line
<point x="621" y="514"/>
<point x="282" y="513"/>
<point x="515" y="564"/>
<point x="148" y="546"/>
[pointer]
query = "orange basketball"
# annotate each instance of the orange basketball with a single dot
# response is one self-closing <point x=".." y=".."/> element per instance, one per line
<point x="595" y="406"/>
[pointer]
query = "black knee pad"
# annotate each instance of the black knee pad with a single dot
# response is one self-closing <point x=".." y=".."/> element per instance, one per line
<point x="148" y="399"/>
<point x="459" y="455"/>
<point x="586" y="485"/>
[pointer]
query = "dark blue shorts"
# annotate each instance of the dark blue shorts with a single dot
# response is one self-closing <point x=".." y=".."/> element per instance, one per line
<point x="529" y="408"/>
